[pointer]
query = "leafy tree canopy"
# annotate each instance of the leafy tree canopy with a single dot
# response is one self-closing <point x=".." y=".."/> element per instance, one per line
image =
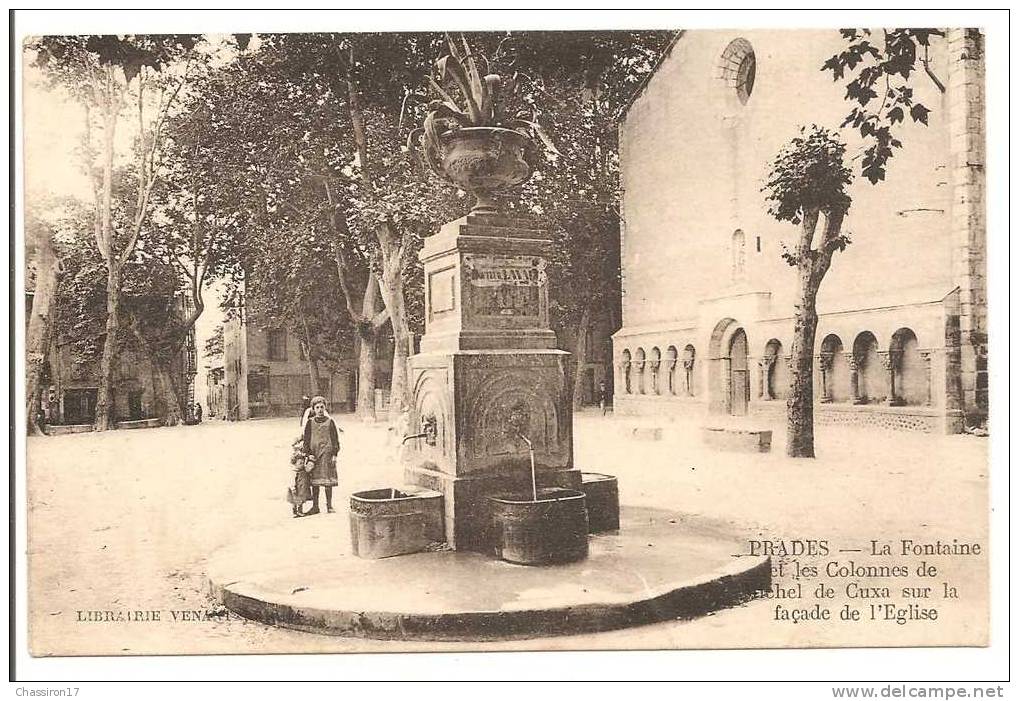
<point x="879" y="71"/>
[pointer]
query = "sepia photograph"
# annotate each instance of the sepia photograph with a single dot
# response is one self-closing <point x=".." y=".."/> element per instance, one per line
<point x="484" y="337"/>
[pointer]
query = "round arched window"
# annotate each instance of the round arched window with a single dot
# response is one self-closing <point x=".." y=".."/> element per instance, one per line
<point x="739" y="68"/>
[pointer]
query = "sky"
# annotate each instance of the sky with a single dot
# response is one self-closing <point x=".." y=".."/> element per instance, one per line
<point x="53" y="129"/>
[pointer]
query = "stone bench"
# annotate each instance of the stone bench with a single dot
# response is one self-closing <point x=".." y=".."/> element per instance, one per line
<point x="64" y="429"/>
<point x="140" y="423"/>
<point x="741" y="440"/>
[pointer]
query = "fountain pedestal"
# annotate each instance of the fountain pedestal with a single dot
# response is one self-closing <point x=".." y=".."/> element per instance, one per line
<point x="488" y="361"/>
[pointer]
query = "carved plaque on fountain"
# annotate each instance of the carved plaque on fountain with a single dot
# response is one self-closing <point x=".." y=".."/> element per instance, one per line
<point x="486" y="285"/>
<point x="506" y="288"/>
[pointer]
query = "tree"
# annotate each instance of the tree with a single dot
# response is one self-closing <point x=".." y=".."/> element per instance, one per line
<point x="579" y="82"/>
<point x="106" y="75"/>
<point x="809" y="179"/>
<point x="194" y="231"/>
<point x="213" y="348"/>
<point x="43" y="269"/>
<point x="333" y="165"/>
<point x="393" y="202"/>
<point x="276" y="156"/>
<point x="882" y="70"/>
<point x="149" y="302"/>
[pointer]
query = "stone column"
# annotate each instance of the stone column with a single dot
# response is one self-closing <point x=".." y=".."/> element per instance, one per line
<point x="655" y="366"/>
<point x="890" y="361"/>
<point x="854" y="378"/>
<point x="925" y="356"/>
<point x="688" y="376"/>
<point x="767" y="363"/>
<point x="670" y="374"/>
<point x="824" y="362"/>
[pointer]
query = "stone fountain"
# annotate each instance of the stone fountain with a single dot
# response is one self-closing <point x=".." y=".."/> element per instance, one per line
<point x="489" y="465"/>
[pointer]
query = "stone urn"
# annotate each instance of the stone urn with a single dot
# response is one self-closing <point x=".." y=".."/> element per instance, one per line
<point x="485" y="161"/>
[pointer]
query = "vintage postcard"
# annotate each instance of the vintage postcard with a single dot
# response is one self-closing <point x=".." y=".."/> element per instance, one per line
<point x="507" y="339"/>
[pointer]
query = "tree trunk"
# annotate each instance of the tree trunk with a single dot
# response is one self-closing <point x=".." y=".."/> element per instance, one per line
<point x="168" y="394"/>
<point x="366" y="377"/>
<point x="105" y="409"/>
<point x="811" y="265"/>
<point x="167" y="389"/>
<point x="800" y="415"/>
<point x="393" y="295"/>
<point x="37" y="340"/>
<point x="316" y="381"/>
<point x="580" y="357"/>
<point x="104" y="396"/>
<point x="316" y="378"/>
<point x="368" y="334"/>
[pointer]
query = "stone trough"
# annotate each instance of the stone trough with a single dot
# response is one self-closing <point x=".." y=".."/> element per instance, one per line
<point x="548" y="530"/>
<point x="739" y="440"/>
<point x="388" y="522"/>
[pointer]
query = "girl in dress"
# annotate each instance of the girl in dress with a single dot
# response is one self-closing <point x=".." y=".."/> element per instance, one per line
<point x="321" y="442"/>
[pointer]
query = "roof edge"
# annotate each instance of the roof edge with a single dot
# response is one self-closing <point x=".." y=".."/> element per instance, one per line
<point x="644" y="83"/>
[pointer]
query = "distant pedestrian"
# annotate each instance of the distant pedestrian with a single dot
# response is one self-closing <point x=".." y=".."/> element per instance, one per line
<point x="198" y="413"/>
<point x="603" y="398"/>
<point x="321" y="442"/>
<point x="40" y="419"/>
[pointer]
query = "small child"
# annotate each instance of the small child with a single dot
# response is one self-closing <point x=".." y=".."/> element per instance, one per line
<point x="301" y="465"/>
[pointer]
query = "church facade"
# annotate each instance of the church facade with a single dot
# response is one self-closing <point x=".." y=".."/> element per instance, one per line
<point x="708" y="300"/>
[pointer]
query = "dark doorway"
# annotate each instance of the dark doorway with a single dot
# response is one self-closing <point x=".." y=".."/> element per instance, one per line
<point x="589" y="390"/>
<point x="80" y="406"/>
<point x="134" y="406"/>
<point x="739" y="377"/>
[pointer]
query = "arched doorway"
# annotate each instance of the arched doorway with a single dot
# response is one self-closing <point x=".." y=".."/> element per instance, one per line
<point x="739" y="375"/>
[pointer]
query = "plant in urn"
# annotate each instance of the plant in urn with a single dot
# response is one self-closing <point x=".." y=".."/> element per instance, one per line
<point x="470" y="141"/>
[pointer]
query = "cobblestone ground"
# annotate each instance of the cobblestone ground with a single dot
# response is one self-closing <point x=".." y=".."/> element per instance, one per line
<point x="125" y="520"/>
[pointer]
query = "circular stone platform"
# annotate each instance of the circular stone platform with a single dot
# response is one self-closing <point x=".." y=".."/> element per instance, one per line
<point x="659" y="566"/>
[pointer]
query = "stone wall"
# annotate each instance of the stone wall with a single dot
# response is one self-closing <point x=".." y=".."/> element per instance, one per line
<point x="906" y="418"/>
<point x="969" y="232"/>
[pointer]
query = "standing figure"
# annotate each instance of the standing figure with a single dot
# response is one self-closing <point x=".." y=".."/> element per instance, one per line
<point x="321" y="442"/>
<point x="198" y="413"/>
<point x="603" y="398"/>
<point x="300" y="489"/>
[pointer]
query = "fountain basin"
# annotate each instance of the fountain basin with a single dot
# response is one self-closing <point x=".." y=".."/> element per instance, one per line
<point x="395" y="521"/>
<point x="602" y="493"/>
<point x="548" y="530"/>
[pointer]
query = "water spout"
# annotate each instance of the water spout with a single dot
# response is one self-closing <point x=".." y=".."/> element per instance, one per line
<point x="534" y="480"/>
<point x="416" y="435"/>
